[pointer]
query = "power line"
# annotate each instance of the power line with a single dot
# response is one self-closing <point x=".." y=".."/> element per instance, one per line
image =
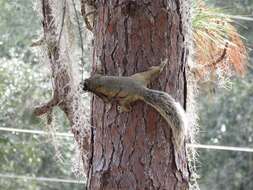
<point x="218" y="147"/>
<point x="200" y="146"/>
<point x="38" y="132"/>
<point x="12" y="176"/>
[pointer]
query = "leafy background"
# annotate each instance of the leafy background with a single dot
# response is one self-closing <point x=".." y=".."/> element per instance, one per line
<point x="225" y="115"/>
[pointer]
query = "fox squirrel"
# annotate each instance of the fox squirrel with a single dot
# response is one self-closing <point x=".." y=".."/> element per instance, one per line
<point x="126" y="90"/>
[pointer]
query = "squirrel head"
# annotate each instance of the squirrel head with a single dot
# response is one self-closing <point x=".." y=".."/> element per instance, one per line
<point x="90" y="84"/>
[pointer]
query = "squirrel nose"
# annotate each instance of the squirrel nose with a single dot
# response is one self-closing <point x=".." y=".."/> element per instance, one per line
<point x="84" y="85"/>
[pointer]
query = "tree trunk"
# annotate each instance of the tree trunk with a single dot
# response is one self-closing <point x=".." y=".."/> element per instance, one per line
<point x="134" y="150"/>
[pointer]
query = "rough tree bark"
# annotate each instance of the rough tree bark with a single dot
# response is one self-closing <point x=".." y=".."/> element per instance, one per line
<point x="134" y="150"/>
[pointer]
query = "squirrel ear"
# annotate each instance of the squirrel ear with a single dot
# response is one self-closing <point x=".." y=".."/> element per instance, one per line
<point x="163" y="63"/>
<point x="98" y="70"/>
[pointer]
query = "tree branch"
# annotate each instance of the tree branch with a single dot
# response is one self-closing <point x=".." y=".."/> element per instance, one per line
<point x="222" y="55"/>
<point x="45" y="108"/>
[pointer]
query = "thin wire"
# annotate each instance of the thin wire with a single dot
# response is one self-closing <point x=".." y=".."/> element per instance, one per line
<point x="218" y="147"/>
<point x="200" y="146"/>
<point x="12" y="176"/>
<point x="38" y="132"/>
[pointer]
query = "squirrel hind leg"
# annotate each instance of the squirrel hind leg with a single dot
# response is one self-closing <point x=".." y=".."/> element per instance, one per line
<point x="124" y="105"/>
<point x="124" y="108"/>
<point x="146" y="77"/>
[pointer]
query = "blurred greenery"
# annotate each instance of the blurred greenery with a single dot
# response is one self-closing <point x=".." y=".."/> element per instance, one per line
<point x="226" y="119"/>
<point x="225" y="116"/>
<point x="17" y="27"/>
<point x="23" y="84"/>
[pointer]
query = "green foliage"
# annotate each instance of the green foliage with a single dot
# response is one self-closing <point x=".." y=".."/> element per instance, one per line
<point x="18" y="27"/>
<point x="230" y="114"/>
<point x="238" y="7"/>
<point x="25" y="154"/>
<point x="227" y="119"/>
<point x="18" y="82"/>
<point x="23" y="84"/>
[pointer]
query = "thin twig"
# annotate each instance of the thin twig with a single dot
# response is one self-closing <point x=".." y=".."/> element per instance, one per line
<point x="81" y="37"/>
<point x="222" y="55"/>
<point x="62" y="22"/>
<point x="45" y="108"/>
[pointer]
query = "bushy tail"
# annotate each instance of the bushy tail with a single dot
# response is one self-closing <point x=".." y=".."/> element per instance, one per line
<point x="171" y="111"/>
